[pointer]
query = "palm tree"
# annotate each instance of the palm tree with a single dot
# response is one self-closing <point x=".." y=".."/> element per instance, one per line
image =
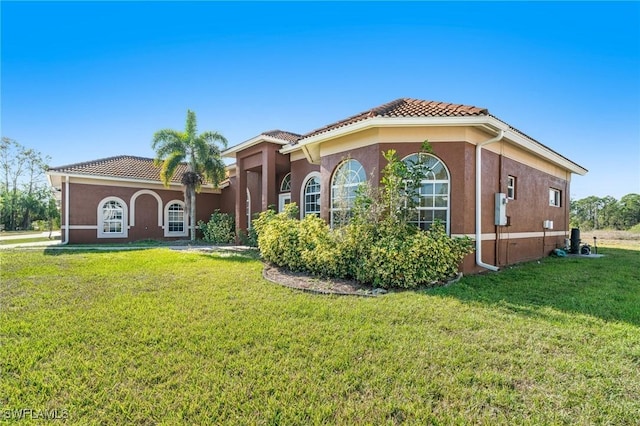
<point x="200" y="152"/>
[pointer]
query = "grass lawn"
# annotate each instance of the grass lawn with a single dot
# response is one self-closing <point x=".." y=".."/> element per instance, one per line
<point x="159" y="336"/>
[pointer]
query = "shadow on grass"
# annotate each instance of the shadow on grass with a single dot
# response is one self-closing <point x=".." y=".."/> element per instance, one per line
<point x="607" y="288"/>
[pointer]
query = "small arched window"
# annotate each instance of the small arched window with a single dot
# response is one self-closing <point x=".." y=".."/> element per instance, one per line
<point x="434" y="192"/>
<point x="285" y="185"/>
<point x="349" y="175"/>
<point x="311" y="195"/>
<point x="175" y="219"/>
<point x="112" y="218"/>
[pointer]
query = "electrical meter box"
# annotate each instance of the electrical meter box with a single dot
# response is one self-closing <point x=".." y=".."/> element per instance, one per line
<point x="501" y="209"/>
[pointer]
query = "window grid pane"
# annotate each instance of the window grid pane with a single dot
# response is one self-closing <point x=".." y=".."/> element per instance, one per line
<point x="176" y="218"/>
<point x="312" y="196"/>
<point x="112" y="217"/>
<point x="348" y="177"/>
<point x="434" y="193"/>
<point x="285" y="186"/>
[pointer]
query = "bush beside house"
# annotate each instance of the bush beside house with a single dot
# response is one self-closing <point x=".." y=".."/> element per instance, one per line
<point x="378" y="246"/>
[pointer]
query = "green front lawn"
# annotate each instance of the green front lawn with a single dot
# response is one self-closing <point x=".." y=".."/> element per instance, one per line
<point x="158" y="336"/>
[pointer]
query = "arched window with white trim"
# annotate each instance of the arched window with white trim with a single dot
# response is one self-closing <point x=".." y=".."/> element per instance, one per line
<point x="112" y="218"/>
<point x="285" y="185"/>
<point x="434" y="192"/>
<point x="175" y="219"/>
<point x="284" y="197"/>
<point x="310" y="195"/>
<point x="348" y="176"/>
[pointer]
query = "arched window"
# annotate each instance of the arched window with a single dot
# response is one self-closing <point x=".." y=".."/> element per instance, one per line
<point x="284" y="197"/>
<point x="175" y="220"/>
<point x="112" y="218"/>
<point x="285" y="185"/>
<point x="344" y="184"/>
<point x="434" y="192"/>
<point x="311" y="194"/>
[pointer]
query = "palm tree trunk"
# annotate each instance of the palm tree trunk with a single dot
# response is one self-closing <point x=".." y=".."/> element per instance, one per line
<point x="192" y="214"/>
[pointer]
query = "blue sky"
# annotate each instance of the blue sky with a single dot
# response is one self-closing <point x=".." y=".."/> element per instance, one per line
<point x="82" y="81"/>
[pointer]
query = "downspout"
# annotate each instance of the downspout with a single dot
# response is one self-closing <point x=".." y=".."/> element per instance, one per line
<point x="66" y="211"/>
<point x="479" y="146"/>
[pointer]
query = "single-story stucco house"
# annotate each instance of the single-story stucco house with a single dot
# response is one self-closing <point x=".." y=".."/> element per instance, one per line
<point x="488" y="181"/>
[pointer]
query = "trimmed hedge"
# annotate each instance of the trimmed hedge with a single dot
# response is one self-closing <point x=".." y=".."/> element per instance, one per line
<point x="400" y="256"/>
<point x="220" y="229"/>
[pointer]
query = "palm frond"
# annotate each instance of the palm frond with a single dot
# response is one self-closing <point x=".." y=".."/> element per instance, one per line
<point x="191" y="128"/>
<point x="202" y="153"/>
<point x="166" y="142"/>
<point x="215" y="138"/>
<point x="169" y="167"/>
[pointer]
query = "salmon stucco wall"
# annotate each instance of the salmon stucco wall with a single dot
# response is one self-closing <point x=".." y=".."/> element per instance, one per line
<point x="145" y="211"/>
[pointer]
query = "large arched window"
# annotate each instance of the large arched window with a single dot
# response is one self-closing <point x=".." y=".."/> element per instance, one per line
<point x="112" y="218"/>
<point x="175" y="219"/>
<point x="344" y="184"/>
<point x="433" y="204"/>
<point x="311" y="195"/>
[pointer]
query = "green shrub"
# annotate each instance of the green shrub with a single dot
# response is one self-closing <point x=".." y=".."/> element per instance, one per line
<point x="384" y="256"/>
<point x="219" y="229"/>
<point x="278" y="238"/>
<point x="412" y="258"/>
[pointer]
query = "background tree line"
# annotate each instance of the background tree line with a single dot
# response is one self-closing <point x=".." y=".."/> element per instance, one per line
<point x="25" y="195"/>
<point x="606" y="212"/>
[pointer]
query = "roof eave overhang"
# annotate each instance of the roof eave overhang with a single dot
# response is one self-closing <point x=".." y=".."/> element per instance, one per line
<point x="52" y="177"/>
<point x="231" y="152"/>
<point x="488" y="123"/>
<point x="544" y="152"/>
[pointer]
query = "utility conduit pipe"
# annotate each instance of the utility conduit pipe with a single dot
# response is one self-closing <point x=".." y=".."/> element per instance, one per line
<point x="479" y="146"/>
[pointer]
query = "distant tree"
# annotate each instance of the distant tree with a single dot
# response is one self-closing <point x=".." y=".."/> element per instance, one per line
<point x="202" y="155"/>
<point x="605" y="212"/>
<point x="24" y="192"/>
<point x="609" y="217"/>
<point x="630" y="210"/>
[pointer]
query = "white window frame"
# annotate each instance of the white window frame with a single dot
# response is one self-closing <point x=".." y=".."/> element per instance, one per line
<point x="124" y="233"/>
<point x="303" y="194"/>
<point x="434" y="181"/>
<point x="345" y="186"/>
<point x="185" y="220"/>
<point x="285" y="185"/>
<point x="283" y="200"/>
<point x="511" y="187"/>
<point x="555" y="197"/>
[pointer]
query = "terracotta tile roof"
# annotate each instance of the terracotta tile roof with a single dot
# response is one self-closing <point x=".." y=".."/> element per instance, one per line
<point x="123" y="166"/>
<point x="406" y="107"/>
<point x="284" y="135"/>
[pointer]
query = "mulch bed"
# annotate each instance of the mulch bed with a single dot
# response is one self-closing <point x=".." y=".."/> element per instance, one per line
<point x="301" y="281"/>
<point x="304" y="282"/>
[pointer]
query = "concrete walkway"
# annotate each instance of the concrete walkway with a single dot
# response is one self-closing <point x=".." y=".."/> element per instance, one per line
<point x="55" y="235"/>
<point x="56" y="245"/>
<point x="7" y="237"/>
